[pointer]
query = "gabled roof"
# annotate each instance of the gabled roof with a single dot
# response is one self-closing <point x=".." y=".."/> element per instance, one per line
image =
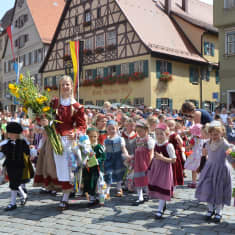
<point x="157" y="30"/>
<point x="7" y="18"/>
<point x="46" y="15"/>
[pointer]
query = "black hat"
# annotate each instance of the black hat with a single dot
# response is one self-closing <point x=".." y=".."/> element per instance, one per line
<point x="14" y="127"/>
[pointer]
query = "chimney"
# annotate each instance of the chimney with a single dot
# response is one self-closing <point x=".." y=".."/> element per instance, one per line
<point x="185" y="5"/>
<point x="168" y="6"/>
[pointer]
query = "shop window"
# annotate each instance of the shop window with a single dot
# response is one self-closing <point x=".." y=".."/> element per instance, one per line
<point x="99" y="102"/>
<point x="138" y="101"/>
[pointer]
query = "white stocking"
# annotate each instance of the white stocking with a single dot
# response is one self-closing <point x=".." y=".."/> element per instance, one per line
<point x="22" y="193"/>
<point x="140" y="193"/>
<point x="161" y="205"/>
<point x="65" y="197"/>
<point x="13" y="197"/>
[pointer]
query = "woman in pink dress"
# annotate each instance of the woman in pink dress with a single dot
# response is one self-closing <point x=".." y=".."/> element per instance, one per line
<point x="160" y="173"/>
<point x="142" y="158"/>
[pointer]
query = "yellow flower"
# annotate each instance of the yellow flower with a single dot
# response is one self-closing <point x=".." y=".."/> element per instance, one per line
<point x="45" y="109"/>
<point x="48" y="89"/>
<point x="21" y="77"/>
<point x="41" y="99"/>
<point x="25" y="110"/>
<point x="12" y="86"/>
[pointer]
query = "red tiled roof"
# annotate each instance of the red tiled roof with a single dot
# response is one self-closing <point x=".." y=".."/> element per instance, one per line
<point x="157" y="30"/>
<point x="46" y="15"/>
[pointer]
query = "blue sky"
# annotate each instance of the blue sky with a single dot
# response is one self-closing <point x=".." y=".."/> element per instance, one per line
<point x="7" y="4"/>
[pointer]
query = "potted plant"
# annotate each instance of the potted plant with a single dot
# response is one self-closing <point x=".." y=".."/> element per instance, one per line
<point x="137" y="76"/>
<point x="87" y="52"/>
<point x="99" y="50"/>
<point x="111" y="47"/>
<point x="110" y="80"/>
<point x="165" y="77"/>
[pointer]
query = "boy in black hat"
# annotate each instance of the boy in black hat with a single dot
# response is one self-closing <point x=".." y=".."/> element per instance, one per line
<point x="16" y="152"/>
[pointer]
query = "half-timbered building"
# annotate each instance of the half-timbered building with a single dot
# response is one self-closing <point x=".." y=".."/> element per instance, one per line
<point x="156" y="53"/>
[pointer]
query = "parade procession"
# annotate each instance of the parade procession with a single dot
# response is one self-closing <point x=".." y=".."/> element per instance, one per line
<point x="117" y="117"/>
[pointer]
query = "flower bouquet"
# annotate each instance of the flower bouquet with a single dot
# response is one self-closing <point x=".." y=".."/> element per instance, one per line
<point x="37" y="105"/>
<point x="231" y="152"/>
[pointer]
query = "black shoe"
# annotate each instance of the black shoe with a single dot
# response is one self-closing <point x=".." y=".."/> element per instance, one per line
<point x="217" y="218"/>
<point x="10" y="207"/>
<point x="146" y="198"/>
<point x="23" y="201"/>
<point x="209" y="215"/>
<point x="25" y="190"/>
<point x="164" y="208"/>
<point x="72" y="195"/>
<point x="137" y="203"/>
<point x="159" y="215"/>
<point x="93" y="203"/>
<point x="44" y="191"/>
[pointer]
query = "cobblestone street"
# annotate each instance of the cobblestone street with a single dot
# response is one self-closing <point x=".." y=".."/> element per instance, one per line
<point x="184" y="215"/>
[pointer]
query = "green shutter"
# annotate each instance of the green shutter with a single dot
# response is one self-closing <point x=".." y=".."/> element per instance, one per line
<point x="205" y="48"/>
<point x="105" y="72"/>
<point x="212" y="49"/>
<point x="169" y="68"/>
<point x="158" y="68"/>
<point x="131" y="68"/>
<point x="171" y="104"/>
<point x="207" y="75"/>
<point x="146" y="68"/>
<point x="217" y="77"/>
<point x="158" y="103"/>
<point x="118" y="70"/>
<point x="54" y="81"/>
<point x="94" y="73"/>
<point x="191" y="73"/>
<point x="45" y="82"/>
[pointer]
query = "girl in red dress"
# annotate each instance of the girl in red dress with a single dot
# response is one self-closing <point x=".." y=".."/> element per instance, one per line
<point x="70" y="115"/>
<point x="175" y="139"/>
<point x="142" y="158"/>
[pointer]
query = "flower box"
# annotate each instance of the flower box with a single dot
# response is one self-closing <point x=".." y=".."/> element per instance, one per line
<point x="99" y="50"/>
<point x="109" y="80"/>
<point x="111" y="47"/>
<point x="123" y="78"/>
<point x="87" y="23"/>
<point x="137" y="76"/>
<point x="166" y="77"/>
<point x="87" y="82"/>
<point x="98" y="81"/>
<point x="87" y="52"/>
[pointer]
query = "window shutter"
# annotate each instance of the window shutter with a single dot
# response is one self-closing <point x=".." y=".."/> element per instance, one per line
<point x="196" y="104"/>
<point x="191" y="72"/>
<point x="146" y="63"/>
<point x="54" y="81"/>
<point x="131" y="68"/>
<point x="205" y="48"/>
<point x="118" y="70"/>
<point x="171" y="104"/>
<point x="158" y="68"/>
<point x="217" y="77"/>
<point x="212" y="49"/>
<point x="169" y="68"/>
<point x="105" y="72"/>
<point x="45" y="82"/>
<point x="207" y="75"/>
<point x="159" y="103"/>
<point x="94" y="73"/>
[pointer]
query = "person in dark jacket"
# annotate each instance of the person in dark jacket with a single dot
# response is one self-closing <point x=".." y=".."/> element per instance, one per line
<point x="16" y="152"/>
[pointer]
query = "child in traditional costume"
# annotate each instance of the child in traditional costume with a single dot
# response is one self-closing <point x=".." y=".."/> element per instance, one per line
<point x="17" y="163"/>
<point x="94" y="167"/>
<point x="115" y="154"/>
<point x="160" y="173"/>
<point x="215" y="182"/>
<point x="142" y="158"/>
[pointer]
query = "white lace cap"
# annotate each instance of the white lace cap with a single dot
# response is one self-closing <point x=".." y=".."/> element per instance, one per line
<point x="215" y="124"/>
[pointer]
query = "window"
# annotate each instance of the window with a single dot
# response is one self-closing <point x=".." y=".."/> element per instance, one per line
<point x="98" y="12"/>
<point x="100" y="72"/>
<point x="230" y="43"/>
<point x="30" y="58"/>
<point x="209" y="48"/>
<point x="125" y="68"/>
<point x="99" y="102"/>
<point x="35" y="57"/>
<point x="40" y="55"/>
<point x="138" y="101"/>
<point x="164" y="66"/>
<point x="20" y="42"/>
<point x="112" y="70"/>
<point x="164" y="103"/>
<point x="111" y="38"/>
<point x="89" y="43"/>
<point x="194" y="75"/>
<point x="88" y="102"/>
<point x="229" y="3"/>
<point x="88" y="74"/>
<point x="87" y="16"/>
<point x="19" y="23"/>
<point x="26" y="59"/>
<point x="100" y="40"/>
<point x="139" y="66"/>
